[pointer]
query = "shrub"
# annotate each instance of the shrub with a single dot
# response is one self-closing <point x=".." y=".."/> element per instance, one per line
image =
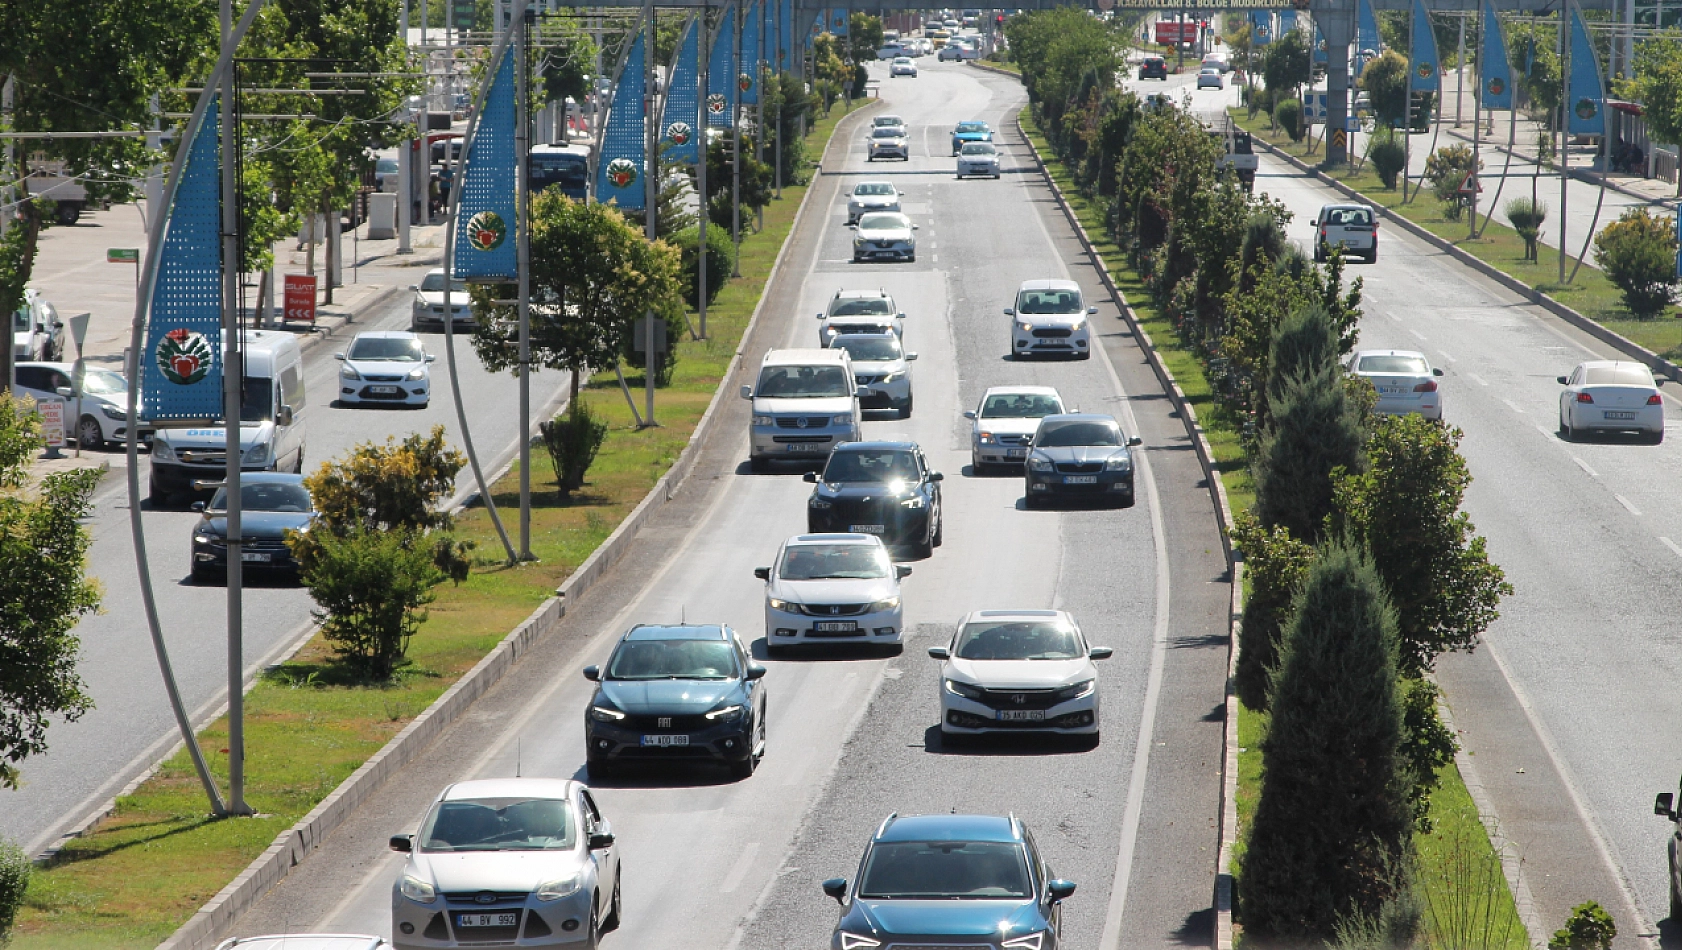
<point x="1274" y="566"/>
<point x="371" y="588"/>
<point x="1446" y="169"/>
<point x="1638" y="253"/>
<point x="15" y="872"/>
<point x="573" y="441"/>
<point x="1314" y="431"/>
<point x="1288" y="116"/>
<point x="1264" y="240"/>
<point x="1304" y="344"/>
<point x="721" y="261"/>
<point x="1527" y="215"/>
<point x="1589" y="927"/>
<point x="1388" y="156"/>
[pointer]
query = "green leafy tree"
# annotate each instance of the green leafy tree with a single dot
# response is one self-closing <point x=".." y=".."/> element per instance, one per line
<point x="1428" y="746"/>
<point x="1388" y="156"/>
<point x="1059" y="49"/>
<point x="1527" y="215"/>
<point x="44" y="591"/>
<point x="1332" y="825"/>
<point x="371" y="588"/>
<point x="1536" y="67"/>
<point x="757" y="180"/>
<point x="1286" y="65"/>
<point x="573" y="440"/>
<point x="1589" y="927"/>
<point x="1658" y="87"/>
<point x="15" y="871"/>
<point x="1305" y="343"/>
<point x="787" y="108"/>
<point x="1287" y="115"/>
<point x="1257" y="303"/>
<point x="1638" y="254"/>
<point x="1446" y="169"/>
<point x="1274" y="567"/>
<point x="721" y="255"/>
<point x="1314" y="434"/>
<point x="1385" y="80"/>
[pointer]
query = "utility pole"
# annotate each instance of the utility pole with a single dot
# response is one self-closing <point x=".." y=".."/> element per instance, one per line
<point x="1460" y="70"/>
<point x="522" y="198"/>
<point x="7" y="197"/>
<point x="1563" y="50"/>
<point x="736" y="143"/>
<point x="759" y="101"/>
<point x="703" y="55"/>
<point x="650" y="190"/>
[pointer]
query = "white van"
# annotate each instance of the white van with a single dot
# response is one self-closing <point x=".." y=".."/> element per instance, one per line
<point x="271" y="422"/>
<point x="805" y="403"/>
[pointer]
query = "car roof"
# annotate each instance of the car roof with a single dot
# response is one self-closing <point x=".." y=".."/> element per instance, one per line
<point x="1346" y="204"/>
<point x="1048" y="285"/>
<point x="270" y="478"/>
<point x="796" y="357"/>
<point x="865" y="539"/>
<point x="875" y="334"/>
<point x="878" y="292"/>
<point x="875" y="445"/>
<point x="1081" y="417"/>
<point x="386" y="335"/>
<point x="510" y="788"/>
<point x="1610" y="364"/>
<point x="950" y="828"/>
<point x="1013" y="614"/>
<point x="304" y="942"/>
<point x="674" y="631"/>
<point x="1361" y="353"/>
<point x="1021" y="390"/>
<point x="863" y="183"/>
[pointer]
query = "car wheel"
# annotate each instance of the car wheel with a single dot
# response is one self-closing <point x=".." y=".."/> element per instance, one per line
<point x="905" y="410"/>
<point x="911" y="258"/>
<point x="1127" y="500"/>
<point x="1565" y="431"/>
<point x="995" y="176"/>
<point x="1319" y="254"/>
<point x="744" y="768"/>
<point x="758" y="465"/>
<point x="1029" y="501"/>
<point x="88" y="433"/>
<point x="1372" y="256"/>
<point x="775" y="651"/>
<point x="203" y="575"/>
<point x="923" y="550"/>
<point x="614" y="907"/>
<point x="1084" y="355"/>
<point x="598" y="767"/>
<point x="1091" y="741"/>
<point x="1655" y="438"/>
<point x="939" y="531"/>
<point x="156" y="495"/>
<point x="953" y="740"/>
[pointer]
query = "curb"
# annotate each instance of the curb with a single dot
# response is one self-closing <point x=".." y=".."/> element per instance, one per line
<point x="1617" y="341"/>
<point x="293" y="846"/>
<point x="1223" y="937"/>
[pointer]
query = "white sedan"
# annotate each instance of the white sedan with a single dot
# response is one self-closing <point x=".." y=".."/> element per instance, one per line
<point x="1005" y="422"/>
<point x="871" y="196"/>
<point x="832" y="588"/>
<point x="385" y="367"/>
<point x="1405" y="380"/>
<point x="884" y="234"/>
<point x="1611" y="396"/>
<point x="978" y="158"/>
<point x="1210" y="78"/>
<point x="1018" y="670"/>
<point x="902" y="66"/>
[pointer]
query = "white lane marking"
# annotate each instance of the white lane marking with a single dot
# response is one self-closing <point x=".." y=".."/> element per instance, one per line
<point x="1626" y="503"/>
<point x="1672" y="545"/>
<point x="1546" y="432"/>
<point x="1513" y="406"/>
<point x="934" y="258"/>
<point x="1447" y="356"/>
<point x="739" y="870"/>
<point x="1416" y="333"/>
<point x="1585" y="467"/>
<point x="1478" y="379"/>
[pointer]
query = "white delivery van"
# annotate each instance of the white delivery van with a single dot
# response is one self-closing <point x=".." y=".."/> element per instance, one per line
<point x="805" y="403"/>
<point x="271" y="422"/>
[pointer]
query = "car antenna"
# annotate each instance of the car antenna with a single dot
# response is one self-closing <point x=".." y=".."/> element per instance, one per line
<point x="683" y="614"/>
<point x="519" y="748"/>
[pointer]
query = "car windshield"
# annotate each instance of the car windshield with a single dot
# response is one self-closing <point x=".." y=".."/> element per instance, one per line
<point x="971" y="127"/>
<point x="434" y="284"/>
<point x="1048" y="301"/>
<point x="882" y="120"/>
<point x="99" y="382"/>
<point x="395" y="349"/>
<point x="499" y="824"/>
<point x="884" y="222"/>
<point x="869" y="348"/>
<point x="802" y="382"/>
<point x="889" y="132"/>
<point x="257" y="404"/>
<point x="1017" y="640"/>
<point x="862" y="307"/>
<point x="386" y="166"/>
<point x="672" y="660"/>
<point x="1394" y="366"/>
<point x="1077" y="433"/>
<point x="265" y="496"/>
<point x="1620" y="374"/>
<point x="1210" y="72"/>
<point x="978" y="148"/>
<point x="874" y="188"/>
<point x="818" y="562"/>
<point x="871" y="465"/>
<point x="1020" y="406"/>
<point x="945" y="869"/>
<point x="902" y="61"/>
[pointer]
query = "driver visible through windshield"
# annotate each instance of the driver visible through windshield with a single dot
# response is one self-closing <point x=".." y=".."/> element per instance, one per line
<point x="499" y="824"/>
<point x="932" y="870"/>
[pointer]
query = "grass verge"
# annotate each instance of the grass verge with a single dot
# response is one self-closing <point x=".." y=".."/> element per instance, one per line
<point x="145" y="869"/>
<point x="1591" y="294"/>
<point x="1458" y="839"/>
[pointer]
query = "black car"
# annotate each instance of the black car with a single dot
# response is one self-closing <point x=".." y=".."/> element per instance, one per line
<point x="971" y="880"/>
<point x="1080" y="454"/>
<point x="880" y="488"/>
<point x="271" y="504"/>
<point x="1153" y="67"/>
<point x="676" y="692"/>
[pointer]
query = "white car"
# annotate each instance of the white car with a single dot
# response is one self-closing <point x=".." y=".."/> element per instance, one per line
<point x="1611" y="396"/>
<point x="888" y="141"/>
<point x="385" y="367"/>
<point x="882" y="370"/>
<point x="426" y="310"/>
<point x="884" y="234"/>
<point x="832" y="588"/>
<point x="859" y="311"/>
<point x="884" y="121"/>
<point x="871" y="196"/>
<point x="104" y="401"/>
<point x="1405" y="380"/>
<point x="978" y="158"/>
<point x="1352" y="227"/>
<point x="902" y="66"/>
<point x="1209" y="78"/>
<point x="1010" y="671"/>
<point x="1049" y="319"/>
<point x="1005" y="422"/>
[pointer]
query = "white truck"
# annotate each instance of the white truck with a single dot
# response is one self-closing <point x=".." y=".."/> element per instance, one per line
<point x="1240" y="155"/>
<point x="47" y="179"/>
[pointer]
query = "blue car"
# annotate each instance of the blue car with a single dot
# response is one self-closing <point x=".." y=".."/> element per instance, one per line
<point x="972" y="131"/>
<point x="973" y="880"/>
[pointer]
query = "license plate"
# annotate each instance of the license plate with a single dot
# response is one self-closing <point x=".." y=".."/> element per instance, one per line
<point x="1021" y="715"/>
<point x="866" y="528"/>
<point x="1016" y="453"/>
<point x="1391" y="390"/>
<point x="665" y="740"/>
<point x="1611" y="414"/>
<point x="383" y="390"/>
<point x="1080" y="479"/>
<point x="836" y="626"/>
<point x="487" y="920"/>
<point x="259" y="556"/>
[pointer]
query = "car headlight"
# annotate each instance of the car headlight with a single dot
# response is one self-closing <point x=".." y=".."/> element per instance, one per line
<point x="1082" y="688"/>
<point x="161" y="452"/>
<point x="418" y="374"/>
<point x="764" y="421"/>
<point x="1118" y="463"/>
<point x="1077" y="326"/>
<point x="733" y="711"/>
<point x="894" y="376"/>
<point x="858" y="242"/>
<point x="892" y="603"/>
<point x="206" y="539"/>
<point x="256" y="455"/>
<point x="1024" y="326"/>
<point x="846" y="420"/>
<point x="857" y="942"/>
<point x="914" y="502"/>
<point x="115" y="412"/>
<point x="962" y="689"/>
<point x="560" y="887"/>
<point x="348" y="371"/>
<point x="1039" y="464"/>
<point x="605" y="714"/>
<point x="1026" y="942"/>
<point x="776" y="604"/>
<point x="417" y="890"/>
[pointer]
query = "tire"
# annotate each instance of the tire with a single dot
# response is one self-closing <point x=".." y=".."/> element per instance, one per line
<point x="298" y="466"/>
<point x="1085" y="355"/>
<point x="67" y="214"/>
<point x="598" y="768"/>
<point x="1372" y="256"/>
<point x="156" y="495"/>
<point x="201" y="576"/>
<point x="1029" y="501"/>
<point x="1127" y="501"/>
<point x="923" y="550"/>
<point x="939" y="531"/>
<point x="615" y="906"/>
<point x="775" y="652"/>
<point x="744" y="769"/>
<point x="1565" y="429"/>
<point x="995" y="176"/>
<point x="911" y="258"/>
<point x="88" y="433"/>
<point x="1655" y="438"/>
<point x="1319" y="255"/>
<point x="905" y="410"/>
<point x="954" y="740"/>
<point x="758" y="465"/>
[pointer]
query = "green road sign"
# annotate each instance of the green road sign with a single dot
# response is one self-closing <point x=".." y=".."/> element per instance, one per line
<point x="122" y="255"/>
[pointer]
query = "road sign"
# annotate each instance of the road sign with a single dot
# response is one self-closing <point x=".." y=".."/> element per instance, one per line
<point x="1469" y="185"/>
<point x="78" y="329"/>
<point x="1340" y="138"/>
<point x="300" y="297"/>
<point x="122" y="255"/>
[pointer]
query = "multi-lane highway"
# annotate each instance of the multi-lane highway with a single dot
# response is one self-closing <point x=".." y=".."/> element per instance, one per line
<point x="714" y="863"/>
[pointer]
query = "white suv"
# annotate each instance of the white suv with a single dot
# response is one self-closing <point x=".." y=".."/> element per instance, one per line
<point x="804" y="404"/>
<point x="1352" y="227"/>
<point x="1049" y="319"/>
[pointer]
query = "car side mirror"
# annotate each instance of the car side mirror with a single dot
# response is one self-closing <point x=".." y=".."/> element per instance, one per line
<point x="902" y="570"/>
<point x="601" y="842"/>
<point x="937" y="477"/>
<point x="339" y="356"/>
<point x="969" y="413"/>
<point x="910" y="356"/>
<point x="916" y="227"/>
<point x="938" y="653"/>
<point x="811" y="477"/>
<point x="1561" y="380"/>
<point x="747" y="391"/>
<point x="284" y="416"/>
<point x="901" y="314"/>
<point x="836" y="887"/>
<point x="415" y="288"/>
<point x="755" y="672"/>
<point x="593" y="674"/>
<point x="763" y="573"/>
<point x="1134" y="440"/>
<point x="430" y="357"/>
<point x="1091" y="309"/>
<point x="1436" y="371"/>
<point x="852" y="227"/>
<point x="1100" y="653"/>
<point x="63" y="391"/>
<point x="1010" y="311"/>
<point x="1060" y="890"/>
<point x="197" y="506"/>
<point x="818" y="315"/>
<point x="1664" y="805"/>
<point x="403" y="843"/>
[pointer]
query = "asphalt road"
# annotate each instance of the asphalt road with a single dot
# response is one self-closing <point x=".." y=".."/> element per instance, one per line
<point x="131" y="723"/>
<point x="712" y="863"/>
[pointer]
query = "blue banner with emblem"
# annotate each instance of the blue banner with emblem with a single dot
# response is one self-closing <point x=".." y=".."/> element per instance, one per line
<point x="747" y="79"/>
<point x="721" y="73"/>
<point x="485" y="219"/>
<point x="181" y="367"/>
<point x="677" y="119"/>
<point x="1422" y="57"/>
<point x="620" y="168"/>
<point x="1495" y="73"/>
<point x="1287" y="21"/>
<point x="838" y="21"/>
<point x="785" y="34"/>
<point x="1319" y="52"/>
<point x="1367" y="38"/>
<point x="1588" y="90"/>
<point x="1261" y="27"/>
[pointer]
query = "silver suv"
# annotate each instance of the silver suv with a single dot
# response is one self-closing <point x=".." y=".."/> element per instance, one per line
<point x="805" y="403"/>
<point x="882" y="370"/>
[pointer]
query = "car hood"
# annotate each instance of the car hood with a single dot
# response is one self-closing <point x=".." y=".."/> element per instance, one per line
<point x="505" y="871"/>
<point x="1079" y="453"/>
<point x="814" y="406"/>
<point x="875" y="201"/>
<point x="1008" y="426"/>
<point x="262" y="525"/>
<point x="877" y="367"/>
<point x="841" y="591"/>
<point x="886" y="234"/>
<point x="215" y="438"/>
<point x="385" y="367"/>
<point x="956" y="918"/>
<point x="1020" y="674"/>
<point x="684" y="697"/>
<point x="436" y="298"/>
<point x="973" y="136"/>
<point x="1051" y="319"/>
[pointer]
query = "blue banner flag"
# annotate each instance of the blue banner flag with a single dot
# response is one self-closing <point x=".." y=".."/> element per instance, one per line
<point x="1319" y="45"/>
<point x="1261" y="27"/>
<point x="181" y="367"/>
<point x="747" y="80"/>
<point x="838" y="21"/>
<point x="677" y="121"/>
<point x="721" y="73"/>
<point x="485" y="220"/>
<point x="1287" y="21"/>
<point x="1367" y="38"/>
<point x="620" y="168"/>
<point x="1495" y="73"/>
<point x="785" y="34"/>
<point x="1422" y="59"/>
<point x="1588" y="94"/>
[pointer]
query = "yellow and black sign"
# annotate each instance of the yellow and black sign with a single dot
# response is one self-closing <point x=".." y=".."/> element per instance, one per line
<point x="1340" y="138"/>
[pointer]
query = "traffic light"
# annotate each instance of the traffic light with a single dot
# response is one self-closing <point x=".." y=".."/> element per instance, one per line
<point x="999" y="19"/>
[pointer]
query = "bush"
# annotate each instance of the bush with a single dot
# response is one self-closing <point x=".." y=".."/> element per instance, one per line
<point x="1274" y="565"/>
<point x="1638" y="253"/>
<point x="1314" y="430"/>
<point x="1288" y="116"/>
<point x="573" y="441"/>
<point x="15" y="872"/>
<point x="1589" y="927"/>
<point x="1527" y="215"/>
<point x="371" y="587"/>
<point x="1304" y="344"/>
<point x="1446" y="169"/>
<point x="721" y="261"/>
<point x="1388" y="156"/>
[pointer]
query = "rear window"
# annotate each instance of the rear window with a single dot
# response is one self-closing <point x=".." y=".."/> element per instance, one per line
<point x="1394" y="366"/>
<point x="1349" y="216"/>
<point x="1619" y="374"/>
<point x="862" y="307"/>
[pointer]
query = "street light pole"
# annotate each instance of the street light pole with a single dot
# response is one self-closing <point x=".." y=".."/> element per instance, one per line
<point x="650" y="191"/>
<point x="522" y="198"/>
<point x="703" y="54"/>
<point x="736" y="142"/>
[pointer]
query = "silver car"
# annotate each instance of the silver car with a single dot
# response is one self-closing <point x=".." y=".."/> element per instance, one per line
<point x="426" y="310"/>
<point x="978" y="158"/>
<point x="884" y="234"/>
<point x="889" y="141"/>
<point x="871" y="196"/>
<point x="882" y="370"/>
<point x="1005" y="422"/>
<point x="859" y="311"/>
<point x="902" y="66"/>
<point x="527" y="861"/>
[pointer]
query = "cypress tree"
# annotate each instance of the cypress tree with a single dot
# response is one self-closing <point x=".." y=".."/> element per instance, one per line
<point x="1332" y="825"/>
<point x="1303" y="343"/>
<point x="1315" y="429"/>
<point x="1274" y="565"/>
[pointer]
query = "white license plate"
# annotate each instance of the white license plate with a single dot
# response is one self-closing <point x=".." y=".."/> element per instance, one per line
<point x="795" y="447"/>
<point x="1080" y="479"/>
<point x="487" y="920"/>
<point x="836" y="626"/>
<point x="1016" y="453"/>
<point x="665" y="740"/>
<point x="383" y="390"/>
<point x="1392" y="390"/>
<point x="1021" y="715"/>
<point x="866" y="528"/>
<point x="258" y="556"/>
<point x="1612" y="414"/>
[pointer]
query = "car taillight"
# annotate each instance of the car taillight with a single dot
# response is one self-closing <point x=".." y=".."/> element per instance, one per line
<point x="1584" y="397"/>
<point x="1655" y="400"/>
<point x="1428" y="386"/>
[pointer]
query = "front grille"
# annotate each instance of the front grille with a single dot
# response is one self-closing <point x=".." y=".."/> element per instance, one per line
<point x="1019" y="698"/>
<point x="1052" y="332"/>
<point x="201" y="457"/>
<point x="860" y="632"/>
<point x="692" y="751"/>
<point x="801" y="439"/>
<point x="665" y="723"/>
<point x="471" y="898"/>
<point x="940" y="946"/>
<point x="1013" y="439"/>
<point x="802" y="422"/>
<point x="885" y="244"/>
<point x="382" y="379"/>
<point x="1072" y="720"/>
<point x="1080" y="468"/>
<point x="868" y="380"/>
<point x="833" y="610"/>
<point x="368" y="393"/>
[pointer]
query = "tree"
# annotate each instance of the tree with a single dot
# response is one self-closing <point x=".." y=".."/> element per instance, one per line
<point x="1446" y="169"/>
<point x="1388" y="156"/>
<point x="721" y="257"/>
<point x="1527" y="215"/>
<point x="1530" y="49"/>
<point x="1332" y="826"/>
<point x="1285" y="65"/>
<point x="44" y="590"/>
<point x="757" y="179"/>
<point x="573" y="441"/>
<point x="1287" y="115"/>
<point x="1638" y="253"/>
<point x="1314" y="433"/>
<point x="371" y="588"/>
<point x="1406" y="509"/>
<point x="1589" y="927"/>
<point x="1385" y="80"/>
<point x="15" y="871"/>
<point x="1305" y="343"/>
<point x="1658" y="87"/>
<point x="1274" y="567"/>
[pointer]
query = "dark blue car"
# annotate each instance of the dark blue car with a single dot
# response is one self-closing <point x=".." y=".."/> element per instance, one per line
<point x="271" y="504"/>
<point x="974" y="880"/>
<point x="676" y="692"/>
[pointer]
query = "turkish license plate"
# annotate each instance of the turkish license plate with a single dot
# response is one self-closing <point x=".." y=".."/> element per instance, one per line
<point x="487" y="920"/>
<point x="665" y="740"/>
<point x="795" y="447"/>
<point x="1614" y="414"/>
<point x="866" y="528"/>
<point x="257" y="556"/>
<point x="836" y="626"/>
<point x="383" y="390"/>
<point x="1080" y="479"/>
<point x="1021" y="715"/>
<point x="1016" y="453"/>
<point x="1392" y="390"/>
